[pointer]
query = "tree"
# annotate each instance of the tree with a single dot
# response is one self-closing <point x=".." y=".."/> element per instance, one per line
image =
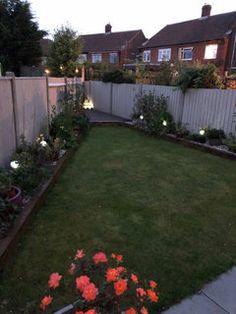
<point x="20" y="36"/>
<point x="64" y="52"/>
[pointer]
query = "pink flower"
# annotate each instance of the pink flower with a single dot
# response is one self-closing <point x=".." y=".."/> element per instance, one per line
<point x="134" y="278"/>
<point x="45" y="302"/>
<point x="100" y="257"/>
<point x="80" y="254"/>
<point x="71" y="269"/>
<point x="54" y="280"/>
<point x="90" y="312"/>
<point x="90" y="292"/>
<point x="82" y="282"/>
<point x="153" y="284"/>
<point x="112" y="274"/>
<point x="144" y="310"/>
<point x="140" y="292"/>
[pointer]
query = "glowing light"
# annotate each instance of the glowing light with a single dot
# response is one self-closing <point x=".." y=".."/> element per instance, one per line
<point x="76" y="71"/>
<point x="14" y="164"/>
<point x="88" y="104"/>
<point x="43" y="143"/>
<point x="141" y="117"/>
<point x="61" y="67"/>
<point x="47" y="71"/>
<point x="202" y="132"/>
<point x="164" y="123"/>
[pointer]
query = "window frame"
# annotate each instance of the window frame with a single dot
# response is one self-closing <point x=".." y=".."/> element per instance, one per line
<point x="114" y="53"/>
<point x="82" y="58"/>
<point x="211" y="52"/>
<point x="161" y="53"/>
<point x="145" y="54"/>
<point x="181" y="53"/>
<point x="99" y="59"/>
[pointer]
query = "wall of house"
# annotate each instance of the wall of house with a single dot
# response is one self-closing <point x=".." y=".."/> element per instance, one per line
<point x="198" y="53"/>
<point x="197" y="108"/>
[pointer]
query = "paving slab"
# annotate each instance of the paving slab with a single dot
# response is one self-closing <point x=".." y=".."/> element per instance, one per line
<point x="223" y="291"/>
<point x="198" y="304"/>
<point x="98" y="116"/>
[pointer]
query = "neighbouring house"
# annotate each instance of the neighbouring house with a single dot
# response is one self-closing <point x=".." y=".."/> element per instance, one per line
<point x="208" y="39"/>
<point x="111" y="48"/>
<point x="38" y="70"/>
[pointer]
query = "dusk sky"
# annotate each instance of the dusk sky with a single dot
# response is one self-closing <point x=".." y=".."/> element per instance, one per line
<point x="88" y="17"/>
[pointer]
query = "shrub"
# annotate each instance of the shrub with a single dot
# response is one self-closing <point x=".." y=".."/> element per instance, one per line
<point x="29" y="174"/>
<point x="198" y="76"/>
<point x="197" y="138"/>
<point x="118" y="76"/>
<point x="149" y="113"/>
<point x="215" y="134"/>
<point x="101" y="285"/>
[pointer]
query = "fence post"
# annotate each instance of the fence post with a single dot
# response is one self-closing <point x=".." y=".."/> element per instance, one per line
<point x="48" y="103"/>
<point x="14" y="106"/>
<point x="111" y="94"/>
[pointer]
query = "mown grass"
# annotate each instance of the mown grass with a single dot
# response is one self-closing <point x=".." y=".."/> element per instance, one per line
<point x="170" y="210"/>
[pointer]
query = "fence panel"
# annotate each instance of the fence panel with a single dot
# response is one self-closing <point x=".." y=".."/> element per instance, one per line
<point x="175" y="98"/>
<point x="212" y="108"/>
<point x="56" y="90"/>
<point x="100" y="95"/>
<point x="31" y="110"/>
<point x="7" y="131"/>
<point x="123" y="99"/>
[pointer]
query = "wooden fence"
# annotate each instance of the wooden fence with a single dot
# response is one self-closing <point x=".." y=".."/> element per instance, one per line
<point x="197" y="108"/>
<point x="25" y="109"/>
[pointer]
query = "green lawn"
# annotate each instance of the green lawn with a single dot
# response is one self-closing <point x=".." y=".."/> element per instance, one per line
<point x="170" y="210"/>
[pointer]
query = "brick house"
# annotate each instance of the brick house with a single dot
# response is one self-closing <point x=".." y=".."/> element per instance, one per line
<point x="111" y="48"/>
<point x="209" y="39"/>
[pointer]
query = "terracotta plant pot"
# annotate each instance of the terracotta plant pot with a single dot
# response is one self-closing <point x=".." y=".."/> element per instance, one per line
<point x="16" y="199"/>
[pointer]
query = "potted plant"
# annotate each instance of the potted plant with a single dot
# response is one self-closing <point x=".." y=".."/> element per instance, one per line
<point x="9" y="192"/>
<point x="215" y="136"/>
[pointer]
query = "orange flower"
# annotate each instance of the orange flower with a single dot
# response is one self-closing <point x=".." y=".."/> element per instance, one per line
<point x="153" y="284"/>
<point x="79" y="312"/>
<point x="82" y="282"/>
<point x="120" y="286"/>
<point x="112" y="274"/>
<point x="79" y="254"/>
<point x="100" y="257"/>
<point x="121" y="269"/>
<point x="144" y="310"/>
<point x="45" y="302"/>
<point x="54" y="280"/>
<point x="140" y="292"/>
<point x="71" y="269"/>
<point x="130" y="311"/>
<point x="90" y="292"/>
<point x="90" y="312"/>
<point x="119" y="258"/>
<point x="134" y="278"/>
<point x="152" y="295"/>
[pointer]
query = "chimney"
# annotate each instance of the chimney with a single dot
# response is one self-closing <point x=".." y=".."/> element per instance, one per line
<point x="108" y="28"/>
<point x="206" y="10"/>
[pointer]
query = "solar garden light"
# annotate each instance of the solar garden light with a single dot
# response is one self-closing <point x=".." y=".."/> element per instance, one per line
<point x="202" y="132"/>
<point x="164" y="123"/>
<point x="14" y="164"/>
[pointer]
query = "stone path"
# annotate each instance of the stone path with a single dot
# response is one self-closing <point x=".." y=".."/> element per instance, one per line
<point x="217" y="297"/>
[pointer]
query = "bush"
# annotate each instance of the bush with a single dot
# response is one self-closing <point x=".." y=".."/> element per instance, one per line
<point x="198" y="76"/>
<point x="215" y="134"/>
<point x="118" y="76"/>
<point x="197" y="138"/>
<point x="149" y="113"/>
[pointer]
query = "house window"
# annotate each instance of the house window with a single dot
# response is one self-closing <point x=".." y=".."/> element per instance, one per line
<point x="210" y="51"/>
<point x="164" y="54"/>
<point x="186" y="53"/>
<point x="96" y="57"/>
<point x="113" y="57"/>
<point x="82" y="58"/>
<point x="146" y="56"/>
